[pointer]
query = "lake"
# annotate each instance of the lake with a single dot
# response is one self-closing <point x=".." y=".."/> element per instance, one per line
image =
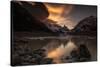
<point x="63" y="49"/>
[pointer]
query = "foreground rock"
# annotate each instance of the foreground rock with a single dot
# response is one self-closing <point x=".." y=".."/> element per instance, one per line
<point x="26" y="56"/>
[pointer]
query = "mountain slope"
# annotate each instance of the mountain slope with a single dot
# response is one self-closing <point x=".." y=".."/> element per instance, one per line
<point x="86" y="26"/>
<point x="30" y="17"/>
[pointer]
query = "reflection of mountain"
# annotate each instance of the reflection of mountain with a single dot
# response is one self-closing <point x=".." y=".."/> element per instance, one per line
<point x="86" y="26"/>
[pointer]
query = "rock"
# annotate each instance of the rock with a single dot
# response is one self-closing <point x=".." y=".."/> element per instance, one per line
<point x="84" y="53"/>
<point x="46" y="61"/>
<point x="40" y="52"/>
<point x="81" y="55"/>
<point x="74" y="56"/>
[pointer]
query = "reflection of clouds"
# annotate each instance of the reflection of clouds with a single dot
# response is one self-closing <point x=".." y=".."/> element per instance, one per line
<point x="69" y="47"/>
<point x="51" y="45"/>
<point x="61" y="50"/>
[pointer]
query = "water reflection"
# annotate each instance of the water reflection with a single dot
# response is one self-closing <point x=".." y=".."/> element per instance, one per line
<point x="55" y="50"/>
<point x="60" y="51"/>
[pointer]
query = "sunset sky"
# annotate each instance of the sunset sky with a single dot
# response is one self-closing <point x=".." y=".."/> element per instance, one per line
<point x="62" y="14"/>
<point x="69" y="15"/>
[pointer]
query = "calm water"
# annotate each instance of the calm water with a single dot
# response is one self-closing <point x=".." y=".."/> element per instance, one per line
<point x="60" y="48"/>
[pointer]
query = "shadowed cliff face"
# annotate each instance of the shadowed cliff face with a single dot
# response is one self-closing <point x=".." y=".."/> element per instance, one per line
<point x="38" y="10"/>
<point x="26" y="16"/>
